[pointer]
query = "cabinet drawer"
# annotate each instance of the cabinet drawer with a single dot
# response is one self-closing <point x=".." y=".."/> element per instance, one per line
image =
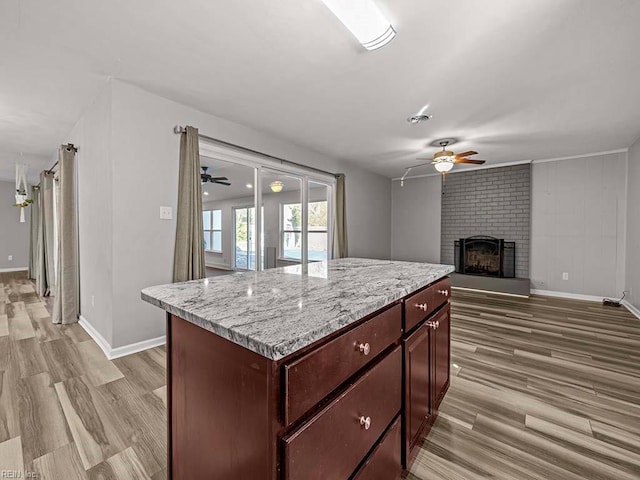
<point x="441" y="291"/>
<point x="314" y="376"/>
<point x="384" y="461"/>
<point x="332" y="443"/>
<point x="419" y="306"/>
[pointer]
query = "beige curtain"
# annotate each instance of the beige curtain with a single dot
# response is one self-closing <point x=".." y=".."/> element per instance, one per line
<point x="340" y="244"/>
<point x="45" y="278"/>
<point x="188" y="260"/>
<point x="33" y="238"/>
<point x="65" y="308"/>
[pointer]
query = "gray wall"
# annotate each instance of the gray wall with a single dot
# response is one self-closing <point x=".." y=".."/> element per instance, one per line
<point x="494" y="202"/>
<point x="633" y="227"/>
<point x="92" y="135"/>
<point x="578" y="225"/>
<point x="415" y="219"/>
<point x="14" y="236"/>
<point x="130" y="162"/>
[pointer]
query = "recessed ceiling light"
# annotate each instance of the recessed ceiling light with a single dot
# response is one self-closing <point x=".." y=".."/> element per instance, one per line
<point x="365" y="21"/>
<point x="248" y="185"/>
<point x="205" y="193"/>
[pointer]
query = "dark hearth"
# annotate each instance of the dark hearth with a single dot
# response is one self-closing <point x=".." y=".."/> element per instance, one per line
<point x="487" y="256"/>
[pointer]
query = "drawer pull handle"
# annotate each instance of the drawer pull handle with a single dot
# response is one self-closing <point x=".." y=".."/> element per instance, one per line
<point x="364" y="348"/>
<point x="365" y="422"/>
<point x="444" y="292"/>
<point x="436" y="324"/>
<point x="423" y="306"/>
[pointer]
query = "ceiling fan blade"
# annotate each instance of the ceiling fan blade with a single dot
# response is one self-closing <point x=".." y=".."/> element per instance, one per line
<point x="220" y="182"/>
<point x="466" y="154"/>
<point x="220" y="178"/>
<point x="468" y="160"/>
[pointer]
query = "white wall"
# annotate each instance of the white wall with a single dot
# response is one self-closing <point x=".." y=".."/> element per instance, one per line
<point x="92" y="136"/>
<point x="415" y="219"/>
<point x="14" y="236"/>
<point x="633" y="227"/>
<point x="144" y="172"/>
<point x="578" y="216"/>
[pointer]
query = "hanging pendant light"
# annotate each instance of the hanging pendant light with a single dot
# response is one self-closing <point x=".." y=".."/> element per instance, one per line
<point x="276" y="186"/>
<point x="22" y="197"/>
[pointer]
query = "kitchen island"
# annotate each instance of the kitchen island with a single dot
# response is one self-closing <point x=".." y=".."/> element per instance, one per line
<point x="331" y="371"/>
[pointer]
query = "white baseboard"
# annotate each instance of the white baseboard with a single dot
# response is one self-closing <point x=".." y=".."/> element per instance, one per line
<point x="137" y="347"/>
<point x="97" y="337"/>
<point x="16" y="269"/>
<point x="572" y="296"/>
<point x="631" y="308"/>
<point x="112" y="353"/>
<point x="478" y="290"/>
<point x="219" y="266"/>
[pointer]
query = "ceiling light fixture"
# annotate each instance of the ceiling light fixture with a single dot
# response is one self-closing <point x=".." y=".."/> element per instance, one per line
<point x="205" y="193"/>
<point x="248" y="185"/>
<point x="418" y="117"/>
<point x="364" y="20"/>
<point x="443" y="166"/>
<point x="277" y="186"/>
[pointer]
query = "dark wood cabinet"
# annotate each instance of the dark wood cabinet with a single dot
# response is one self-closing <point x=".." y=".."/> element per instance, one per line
<point x="417" y="391"/>
<point x="353" y="405"/>
<point x="426" y="375"/>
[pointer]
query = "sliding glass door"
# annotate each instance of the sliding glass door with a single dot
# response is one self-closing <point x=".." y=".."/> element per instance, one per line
<point x="295" y="220"/>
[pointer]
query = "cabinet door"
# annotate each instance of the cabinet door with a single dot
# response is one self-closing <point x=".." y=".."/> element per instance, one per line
<point x="441" y="355"/>
<point x="417" y="404"/>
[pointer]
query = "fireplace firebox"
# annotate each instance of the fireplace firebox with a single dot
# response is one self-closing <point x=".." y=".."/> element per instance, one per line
<point x="487" y="256"/>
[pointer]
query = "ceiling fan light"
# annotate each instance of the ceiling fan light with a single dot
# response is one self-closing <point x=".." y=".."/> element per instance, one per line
<point x="276" y="186"/>
<point x="444" y="166"/>
<point x="364" y="20"/>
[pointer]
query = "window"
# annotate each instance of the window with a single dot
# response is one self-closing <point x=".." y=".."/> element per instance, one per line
<point x="212" y="226"/>
<point x="291" y="231"/>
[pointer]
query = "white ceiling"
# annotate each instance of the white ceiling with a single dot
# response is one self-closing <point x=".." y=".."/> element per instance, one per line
<point x="514" y="80"/>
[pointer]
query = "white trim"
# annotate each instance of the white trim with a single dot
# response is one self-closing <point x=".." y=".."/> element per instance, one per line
<point x="572" y="157"/>
<point x="519" y="162"/>
<point x="137" y="347"/>
<point x="634" y="310"/>
<point x="97" y="336"/>
<point x="219" y="266"/>
<point x="16" y="269"/>
<point x="113" y="353"/>
<point x="572" y="296"/>
<point x="466" y="169"/>
<point x="479" y="290"/>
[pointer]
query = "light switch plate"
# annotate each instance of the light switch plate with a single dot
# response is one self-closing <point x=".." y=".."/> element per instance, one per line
<point x="166" y="213"/>
<point x="565" y="275"/>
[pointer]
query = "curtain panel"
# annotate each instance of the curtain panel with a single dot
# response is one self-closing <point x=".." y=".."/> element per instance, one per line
<point x="340" y="243"/>
<point x="188" y="260"/>
<point x="66" y="304"/>
<point x="34" y="237"/>
<point x="45" y="267"/>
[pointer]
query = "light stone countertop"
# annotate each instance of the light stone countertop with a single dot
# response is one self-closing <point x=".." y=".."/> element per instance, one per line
<point x="279" y="311"/>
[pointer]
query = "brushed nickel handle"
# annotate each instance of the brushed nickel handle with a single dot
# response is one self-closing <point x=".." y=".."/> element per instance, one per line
<point x="422" y="306"/>
<point x="364" y="348"/>
<point x="436" y="324"/>
<point x="444" y="292"/>
<point x="365" y="422"/>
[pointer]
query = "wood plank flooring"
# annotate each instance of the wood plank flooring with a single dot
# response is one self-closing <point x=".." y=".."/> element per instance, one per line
<point x="542" y="388"/>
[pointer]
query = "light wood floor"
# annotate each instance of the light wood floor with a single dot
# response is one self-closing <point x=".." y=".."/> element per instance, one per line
<point x="542" y="389"/>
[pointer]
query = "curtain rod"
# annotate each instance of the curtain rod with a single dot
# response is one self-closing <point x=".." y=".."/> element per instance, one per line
<point x="179" y="129"/>
<point x="69" y="147"/>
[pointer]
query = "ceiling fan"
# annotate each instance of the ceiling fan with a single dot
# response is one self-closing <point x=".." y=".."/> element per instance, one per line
<point x="205" y="177"/>
<point x="444" y="160"/>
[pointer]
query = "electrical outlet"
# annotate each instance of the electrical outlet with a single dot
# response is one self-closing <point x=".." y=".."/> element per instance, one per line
<point x="10" y="258"/>
<point x="166" y="213"/>
<point x="565" y="275"/>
